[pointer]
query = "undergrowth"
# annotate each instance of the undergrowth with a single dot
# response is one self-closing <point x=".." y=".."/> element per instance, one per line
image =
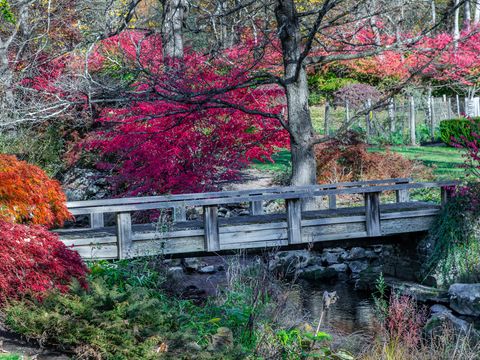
<point x="127" y="314"/>
<point x="455" y="252"/>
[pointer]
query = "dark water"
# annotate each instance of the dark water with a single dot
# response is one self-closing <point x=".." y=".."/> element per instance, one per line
<point x="353" y="311"/>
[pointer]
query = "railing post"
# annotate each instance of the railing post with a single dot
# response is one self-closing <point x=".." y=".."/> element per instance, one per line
<point x="294" y="220"/>
<point x="96" y="220"/>
<point x="124" y="234"/>
<point x="402" y="195"/>
<point x="372" y="213"/>
<point x="210" y="221"/>
<point x="256" y="207"/>
<point x="332" y="201"/>
<point x="179" y="213"/>
<point x="445" y="194"/>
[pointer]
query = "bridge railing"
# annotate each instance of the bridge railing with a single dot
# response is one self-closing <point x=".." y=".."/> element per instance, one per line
<point x="293" y="196"/>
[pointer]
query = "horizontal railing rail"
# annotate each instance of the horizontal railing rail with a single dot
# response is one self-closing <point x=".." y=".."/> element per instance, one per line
<point x="230" y="197"/>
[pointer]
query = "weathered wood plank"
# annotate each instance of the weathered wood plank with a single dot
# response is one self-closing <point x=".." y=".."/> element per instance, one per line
<point x="98" y="252"/>
<point x="124" y="234"/>
<point x="256" y="207"/>
<point x="252" y="236"/>
<point x="334" y="220"/>
<point x="96" y="221"/>
<point x="332" y="201"/>
<point x="294" y="221"/>
<point x="210" y="219"/>
<point x="409" y="214"/>
<point x="445" y="194"/>
<point x="300" y="194"/>
<point x="180" y="213"/>
<point x="372" y="213"/>
<point x="222" y="194"/>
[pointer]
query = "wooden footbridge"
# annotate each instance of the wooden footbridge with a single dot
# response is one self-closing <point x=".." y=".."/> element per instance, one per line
<point x="374" y="218"/>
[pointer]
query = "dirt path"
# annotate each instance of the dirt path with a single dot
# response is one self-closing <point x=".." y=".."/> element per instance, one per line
<point x="250" y="179"/>
<point x="12" y="344"/>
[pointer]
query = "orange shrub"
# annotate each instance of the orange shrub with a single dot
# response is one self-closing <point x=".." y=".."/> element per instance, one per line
<point x="28" y="195"/>
<point x="348" y="160"/>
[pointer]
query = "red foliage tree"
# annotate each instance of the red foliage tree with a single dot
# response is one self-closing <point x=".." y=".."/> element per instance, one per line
<point x="158" y="145"/>
<point x="33" y="260"/>
<point x="28" y="195"/>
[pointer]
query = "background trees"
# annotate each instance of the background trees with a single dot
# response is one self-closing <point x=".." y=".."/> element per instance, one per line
<point x="196" y="65"/>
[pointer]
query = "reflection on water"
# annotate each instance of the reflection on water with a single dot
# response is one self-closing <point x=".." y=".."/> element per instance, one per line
<point x="353" y="311"/>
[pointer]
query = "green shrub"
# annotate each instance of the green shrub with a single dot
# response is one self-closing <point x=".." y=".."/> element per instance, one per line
<point x="43" y="148"/>
<point x="454" y="249"/>
<point x="456" y="128"/>
<point x="110" y="324"/>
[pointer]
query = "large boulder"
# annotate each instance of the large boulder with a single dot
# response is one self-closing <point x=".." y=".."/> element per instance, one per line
<point x="84" y="184"/>
<point x="440" y="317"/>
<point x="421" y="293"/>
<point x="465" y="299"/>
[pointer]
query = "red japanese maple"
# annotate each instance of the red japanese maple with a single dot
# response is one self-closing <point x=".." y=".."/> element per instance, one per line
<point x="33" y="260"/>
<point x="158" y="144"/>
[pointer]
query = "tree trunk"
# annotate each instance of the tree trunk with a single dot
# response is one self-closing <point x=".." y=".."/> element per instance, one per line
<point x="476" y="18"/>
<point x="6" y="80"/>
<point x="434" y="12"/>
<point x="467" y="14"/>
<point x="413" y="139"/>
<point x="456" y="24"/>
<point x="391" y="115"/>
<point x="296" y="85"/>
<point x="327" y="117"/>
<point x="173" y="15"/>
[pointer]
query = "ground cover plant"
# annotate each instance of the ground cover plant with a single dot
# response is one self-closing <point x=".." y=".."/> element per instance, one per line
<point x="122" y="317"/>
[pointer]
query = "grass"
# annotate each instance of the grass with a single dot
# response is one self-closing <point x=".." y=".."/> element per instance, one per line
<point x="281" y="162"/>
<point x="446" y="161"/>
<point x="10" y="357"/>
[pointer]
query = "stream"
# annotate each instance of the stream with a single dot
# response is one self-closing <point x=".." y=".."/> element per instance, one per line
<point x="353" y="311"/>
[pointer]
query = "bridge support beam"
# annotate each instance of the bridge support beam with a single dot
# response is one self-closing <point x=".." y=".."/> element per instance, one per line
<point x="372" y="213"/>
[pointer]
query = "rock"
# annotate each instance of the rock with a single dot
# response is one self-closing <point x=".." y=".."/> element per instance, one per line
<point x="221" y="267"/>
<point x="465" y="298"/>
<point x="339" y="267"/>
<point x="192" y="264"/>
<point x="356" y="253"/>
<point x="329" y="258"/>
<point x="369" y="254"/>
<point x="317" y="272"/>
<point x="367" y="278"/>
<point x="337" y="250"/>
<point x="441" y="316"/>
<point x="358" y="266"/>
<point x="288" y="262"/>
<point x="419" y="292"/>
<point x="222" y="340"/>
<point x="193" y="346"/>
<point x="172" y="262"/>
<point x="175" y="273"/>
<point x="210" y="269"/>
<point x="84" y="184"/>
